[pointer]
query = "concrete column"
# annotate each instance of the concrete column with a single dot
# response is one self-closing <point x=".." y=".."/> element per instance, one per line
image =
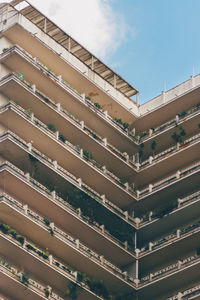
<point x="105" y="141"/>
<point x="33" y="88"/>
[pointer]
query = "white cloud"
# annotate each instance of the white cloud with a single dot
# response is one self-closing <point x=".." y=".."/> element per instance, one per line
<point x="93" y="23"/>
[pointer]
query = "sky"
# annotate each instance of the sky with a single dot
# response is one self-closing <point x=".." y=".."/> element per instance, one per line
<point x="153" y="44"/>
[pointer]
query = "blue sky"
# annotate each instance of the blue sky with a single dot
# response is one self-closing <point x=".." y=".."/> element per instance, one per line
<point x="164" y="49"/>
<point x="153" y="44"/>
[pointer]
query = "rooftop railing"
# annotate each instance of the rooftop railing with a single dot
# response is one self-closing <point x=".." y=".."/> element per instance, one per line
<point x="64" y="237"/>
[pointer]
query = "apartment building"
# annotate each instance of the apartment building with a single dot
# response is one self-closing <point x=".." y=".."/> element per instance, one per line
<point x="99" y="196"/>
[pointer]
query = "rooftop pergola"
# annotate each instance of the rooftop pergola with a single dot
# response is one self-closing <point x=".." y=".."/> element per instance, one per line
<point x="75" y="48"/>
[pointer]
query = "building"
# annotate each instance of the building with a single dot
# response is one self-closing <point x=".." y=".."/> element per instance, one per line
<point x="99" y="196"/>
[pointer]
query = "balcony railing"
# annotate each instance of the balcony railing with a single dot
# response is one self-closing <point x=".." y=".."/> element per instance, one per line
<point x="59" y="201"/>
<point x="67" y="175"/>
<point x="171" y="269"/>
<point x="148" y="218"/>
<point x="170" y="151"/>
<point x="36" y="287"/>
<point x="70" y="147"/>
<point x="137" y="139"/>
<point x="62" y="83"/>
<point x="187" y="294"/>
<point x="66" y="238"/>
<point x="180" y="233"/>
<point x="170" y="179"/>
<point x="170" y="124"/>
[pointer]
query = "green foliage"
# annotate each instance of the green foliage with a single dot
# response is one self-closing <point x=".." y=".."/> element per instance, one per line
<point x="5" y="49"/>
<point x="51" y="127"/>
<point x="98" y="213"/>
<point x="87" y="155"/>
<point x="153" y="145"/>
<point x="98" y="105"/>
<point x="46" y="221"/>
<point x="165" y="209"/>
<point x="177" y="137"/>
<point x="33" y="159"/>
<point x="62" y="138"/>
<point x="72" y="290"/>
<point x="20" y="238"/>
<point x="25" y="278"/>
<point x="182" y="114"/>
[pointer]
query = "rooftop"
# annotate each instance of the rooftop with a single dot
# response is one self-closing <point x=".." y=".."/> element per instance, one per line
<point x="75" y="48"/>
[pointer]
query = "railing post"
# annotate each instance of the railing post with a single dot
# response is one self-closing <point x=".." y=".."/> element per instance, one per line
<point x="50" y="259"/>
<point x="126" y="245"/>
<point x="150" y="246"/>
<point x="150" y="159"/>
<point x="29" y="146"/>
<point x="180" y="295"/>
<point x="82" y="124"/>
<point x="55" y="164"/>
<point x="32" y="117"/>
<point x="83" y="96"/>
<point x="58" y="106"/>
<point x="102" y="228"/>
<point x="60" y="78"/>
<point x="137" y="251"/>
<point x="81" y="152"/>
<point x="105" y="141"/>
<point x="77" y="243"/>
<point x="79" y="181"/>
<point x="53" y="193"/>
<point x="57" y="135"/>
<point x="104" y="169"/>
<point x="179" y="264"/>
<point x="102" y="259"/>
<point x="179" y="202"/>
<point x="178" y="233"/>
<point x="106" y="114"/>
<point x="79" y="211"/>
<point x="33" y="88"/>
<point x="178" y="173"/>
<point x="27" y="175"/>
<point x="126" y="215"/>
<point x="103" y="197"/>
<point x="25" y="207"/>
<point x="150" y="188"/>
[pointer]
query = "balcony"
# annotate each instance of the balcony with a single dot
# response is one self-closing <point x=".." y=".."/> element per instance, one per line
<point x="80" y="225"/>
<point x="56" y="278"/>
<point x="60" y="244"/>
<point x="47" y="111"/>
<point x="176" y="274"/>
<point x="191" y="293"/>
<point x="167" y="218"/>
<point x="182" y="182"/>
<point x="167" y="161"/>
<point x="70" y="156"/>
<point x="13" y="285"/>
<point x="169" y="246"/>
<point x="16" y="59"/>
